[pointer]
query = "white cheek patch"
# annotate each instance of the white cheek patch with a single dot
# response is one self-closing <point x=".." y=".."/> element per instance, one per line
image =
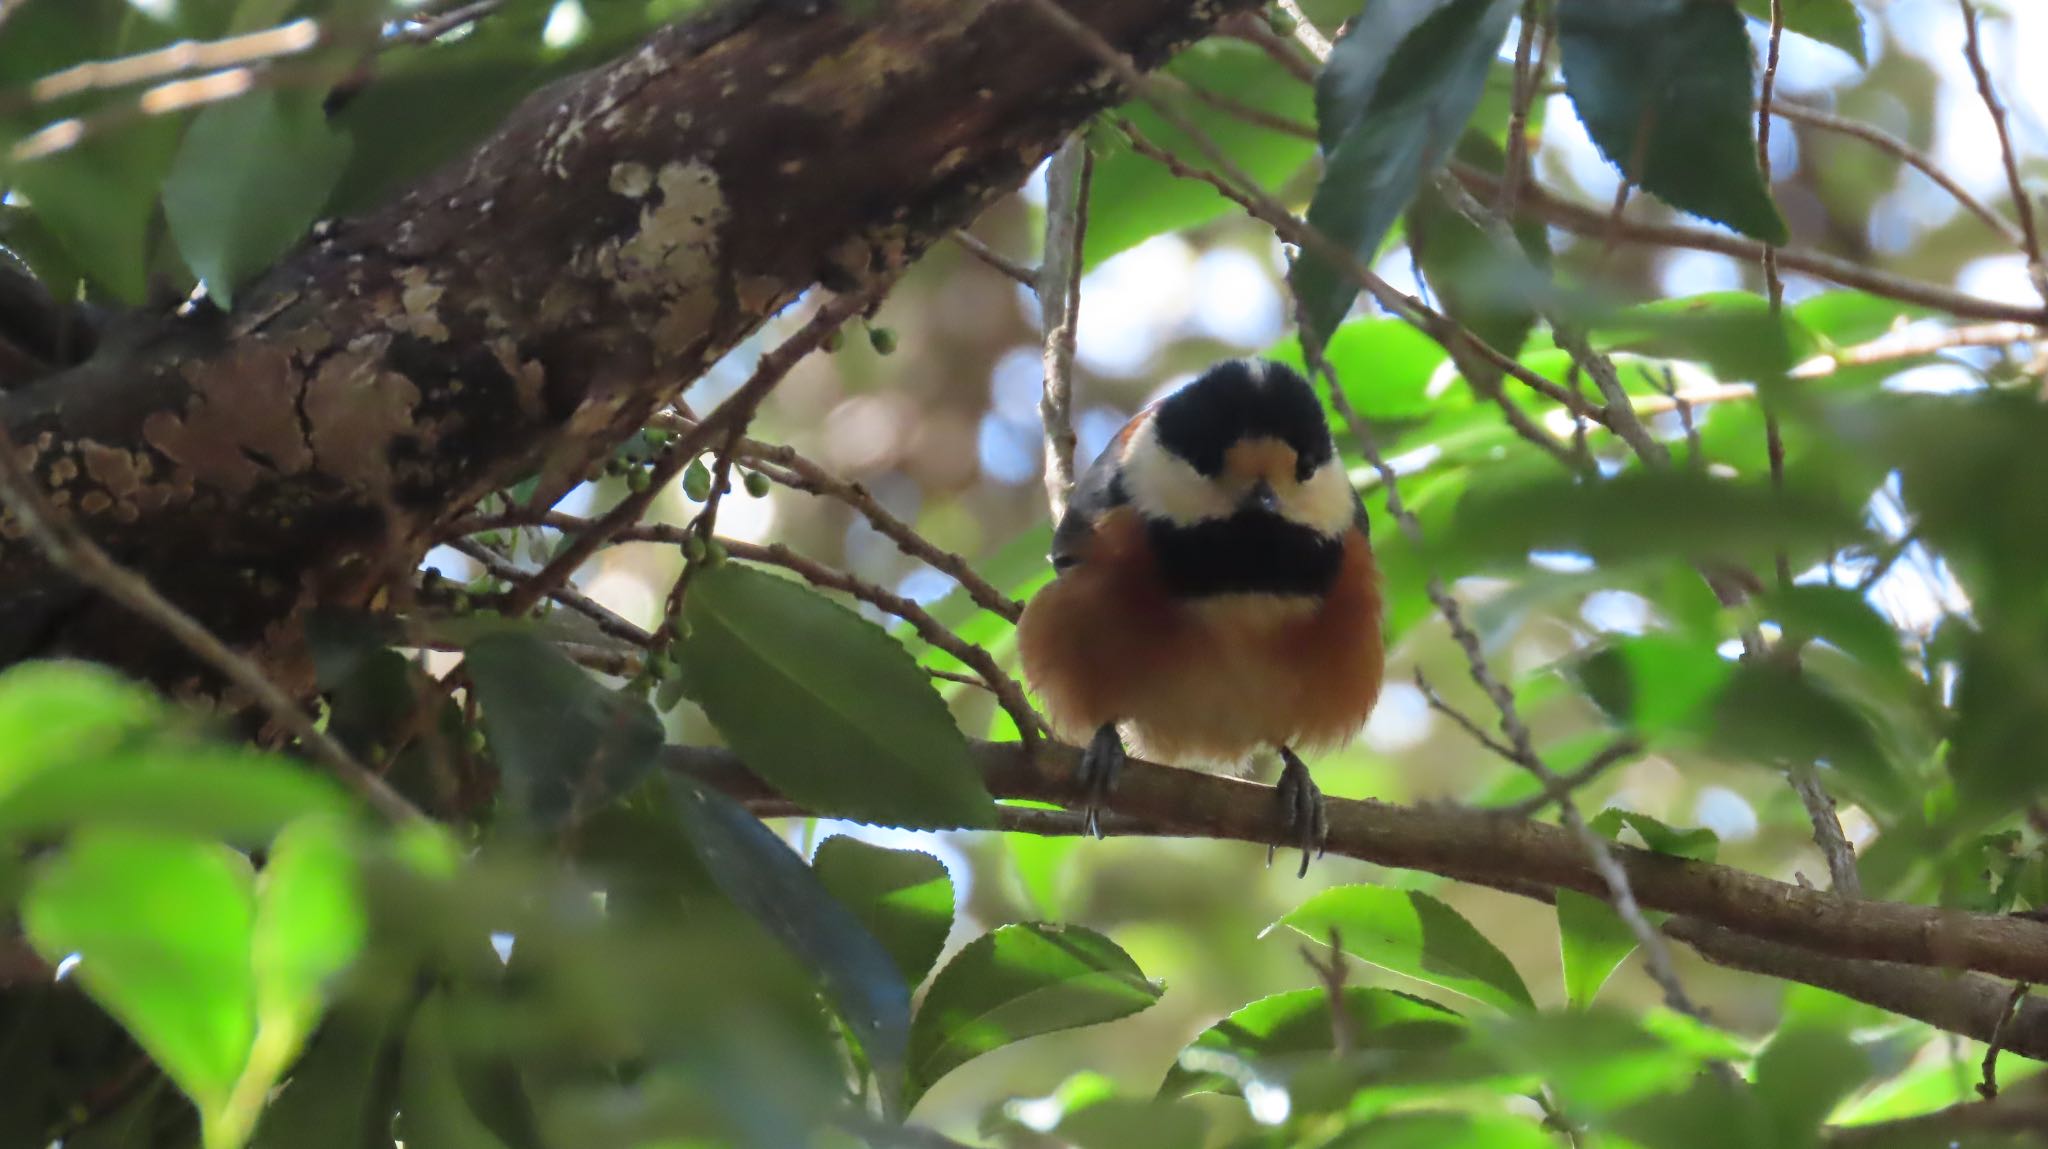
<point x="1167" y="487"/>
<point x="1324" y="503"/>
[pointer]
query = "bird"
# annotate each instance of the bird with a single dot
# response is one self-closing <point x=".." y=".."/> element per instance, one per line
<point x="1214" y="594"/>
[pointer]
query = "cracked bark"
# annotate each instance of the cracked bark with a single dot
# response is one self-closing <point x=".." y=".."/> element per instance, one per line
<point x="530" y="304"/>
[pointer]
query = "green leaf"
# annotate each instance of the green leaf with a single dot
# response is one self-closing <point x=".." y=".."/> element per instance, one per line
<point x="1593" y="941"/>
<point x="250" y="178"/>
<point x="432" y="1107"/>
<point x="1019" y="981"/>
<point x="1130" y="1123"/>
<point x="239" y="795"/>
<point x="1699" y="844"/>
<point x="1653" y="683"/>
<point x="1415" y="935"/>
<point x="565" y="744"/>
<point x="162" y="925"/>
<point x="1490" y="292"/>
<point x="1714" y="1112"/>
<point x="339" y="1096"/>
<point x="310" y="925"/>
<point x="1391" y="102"/>
<point x="1642" y="515"/>
<point x="1664" y="89"/>
<point x="1386" y="366"/>
<point x="761" y="875"/>
<point x="1840" y="617"/>
<point x="1736" y="334"/>
<point x="1801" y="1076"/>
<point x="824" y="706"/>
<point x="63" y="713"/>
<point x="99" y="197"/>
<point x="903" y="897"/>
<point x="1836" y="23"/>
<point x="1773" y="716"/>
<point x="1131" y="198"/>
<point x="1294" y="1027"/>
<point x="1445" y="1130"/>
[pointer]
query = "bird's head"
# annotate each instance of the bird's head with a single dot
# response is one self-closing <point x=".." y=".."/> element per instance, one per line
<point x="1246" y="437"/>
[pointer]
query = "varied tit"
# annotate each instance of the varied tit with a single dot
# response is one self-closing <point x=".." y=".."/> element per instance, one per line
<point x="1215" y="592"/>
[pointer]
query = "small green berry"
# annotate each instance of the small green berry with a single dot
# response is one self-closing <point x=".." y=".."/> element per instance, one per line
<point x="693" y="548"/>
<point x="460" y="602"/>
<point x="678" y="629"/>
<point x="661" y="667"/>
<point x="882" y="340"/>
<point x="757" y="484"/>
<point x="834" y="341"/>
<point x="697" y="481"/>
<point x="714" y="552"/>
<point x="637" y="480"/>
<point x="655" y="436"/>
<point x="1282" y="21"/>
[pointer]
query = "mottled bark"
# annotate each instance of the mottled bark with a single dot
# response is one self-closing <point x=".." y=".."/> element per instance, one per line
<point x="531" y="303"/>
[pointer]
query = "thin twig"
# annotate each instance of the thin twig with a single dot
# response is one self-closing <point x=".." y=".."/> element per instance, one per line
<point x="607" y="622"/>
<point x="1906" y="154"/>
<point x="972" y="245"/>
<point x="1253" y="29"/>
<point x="1516" y="168"/>
<point x="70" y="550"/>
<point x="1618" y="751"/>
<point x="1059" y="310"/>
<point x="1332" y="975"/>
<point x="1988" y="1088"/>
<point x="733" y="414"/>
<point x="2022" y="205"/>
<point x="1306" y="33"/>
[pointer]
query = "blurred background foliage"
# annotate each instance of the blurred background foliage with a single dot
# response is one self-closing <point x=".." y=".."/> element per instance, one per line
<point x="594" y="954"/>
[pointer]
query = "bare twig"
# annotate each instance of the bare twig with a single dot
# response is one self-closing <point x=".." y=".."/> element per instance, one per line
<point x="607" y="621"/>
<point x="729" y="417"/>
<point x="1253" y="29"/>
<point x="1906" y="154"/>
<point x="1332" y="975"/>
<point x="972" y="245"/>
<point x="1614" y="753"/>
<point x="1306" y="33"/>
<point x="1988" y="1088"/>
<point x="1586" y="221"/>
<point x="1516" y="168"/>
<point x="68" y="549"/>
<point x="1059" y="310"/>
<point x="2022" y="204"/>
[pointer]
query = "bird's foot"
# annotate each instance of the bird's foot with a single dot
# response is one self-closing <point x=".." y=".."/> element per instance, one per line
<point x="1302" y="805"/>
<point x="1101" y="763"/>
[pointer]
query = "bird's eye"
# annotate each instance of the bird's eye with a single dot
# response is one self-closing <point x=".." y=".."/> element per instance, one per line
<point x="1303" y="470"/>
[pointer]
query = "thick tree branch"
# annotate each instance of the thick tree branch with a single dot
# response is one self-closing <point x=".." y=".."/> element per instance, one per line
<point x="531" y="304"/>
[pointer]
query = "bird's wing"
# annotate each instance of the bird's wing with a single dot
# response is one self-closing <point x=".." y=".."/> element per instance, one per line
<point x="1099" y="489"/>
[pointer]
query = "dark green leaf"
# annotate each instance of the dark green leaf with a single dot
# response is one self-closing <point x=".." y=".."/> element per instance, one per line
<point x="1416" y="935"/>
<point x="162" y="926"/>
<point x="99" y="197"/>
<point x="1593" y="940"/>
<point x="824" y="705"/>
<point x="1391" y="102"/>
<point x="1773" y="716"/>
<point x="1840" y="617"/>
<point x="1132" y="198"/>
<point x="1664" y="89"/>
<point x="338" y="1096"/>
<point x="903" y="897"/>
<point x="1019" y="981"/>
<point x="1714" y="1112"/>
<point x="1490" y="292"/>
<point x="1700" y="844"/>
<point x="765" y="878"/>
<point x="250" y="178"/>
<point x="432" y="1107"/>
<point x="1296" y="1026"/>
<point x="564" y="743"/>
<point x="1800" y="1077"/>
<point x="1129" y="1123"/>
<point x="1654" y="682"/>
<point x="1833" y="22"/>
<point x="1600" y="1059"/>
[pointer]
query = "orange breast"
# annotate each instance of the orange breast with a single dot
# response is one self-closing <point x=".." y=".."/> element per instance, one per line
<point x="1207" y="681"/>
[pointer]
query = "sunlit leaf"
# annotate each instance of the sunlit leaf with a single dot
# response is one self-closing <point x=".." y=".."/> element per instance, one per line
<point x="1800" y="1077"/>
<point x="1664" y="89"/>
<point x="162" y="925"/>
<point x="1653" y="682"/>
<point x="57" y="713"/>
<point x="1445" y="1130"/>
<point x="903" y="897"/>
<point x="1416" y="935"/>
<point x="1286" y="1028"/>
<point x="1593" y="942"/>
<point x="1019" y="981"/>
<point x="824" y="705"/>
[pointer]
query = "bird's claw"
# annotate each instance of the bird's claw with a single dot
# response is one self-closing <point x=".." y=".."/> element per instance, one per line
<point x="1101" y="764"/>
<point x="1301" y="803"/>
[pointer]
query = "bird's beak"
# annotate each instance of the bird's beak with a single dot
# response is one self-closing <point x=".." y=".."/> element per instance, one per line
<point x="1262" y="497"/>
